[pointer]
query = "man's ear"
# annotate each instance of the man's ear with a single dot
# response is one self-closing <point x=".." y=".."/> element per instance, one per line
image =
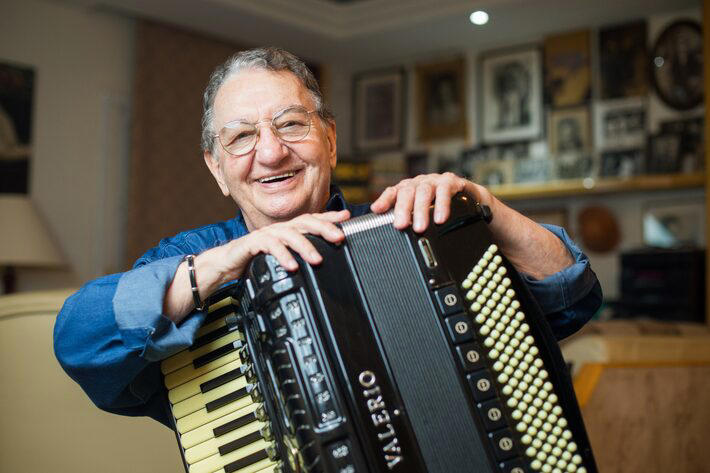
<point x="213" y="165"/>
<point x="332" y="136"/>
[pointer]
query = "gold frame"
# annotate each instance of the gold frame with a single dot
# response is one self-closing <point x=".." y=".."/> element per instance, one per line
<point x="426" y="75"/>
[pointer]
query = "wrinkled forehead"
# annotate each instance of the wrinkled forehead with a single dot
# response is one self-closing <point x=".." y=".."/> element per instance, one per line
<point x="257" y="94"/>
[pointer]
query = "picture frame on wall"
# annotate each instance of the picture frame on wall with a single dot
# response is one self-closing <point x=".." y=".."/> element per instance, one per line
<point x="511" y="95"/>
<point x="568" y="75"/>
<point x="692" y="149"/>
<point x="441" y="100"/>
<point x="568" y="131"/>
<point x="622" y="163"/>
<point x="677" y="65"/>
<point x="623" y="63"/>
<point x="16" y="97"/>
<point x="664" y="153"/>
<point x="570" y="142"/>
<point x="378" y="104"/>
<point x="620" y="123"/>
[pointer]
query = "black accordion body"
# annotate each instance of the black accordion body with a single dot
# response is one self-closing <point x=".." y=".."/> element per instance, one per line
<point x="401" y="352"/>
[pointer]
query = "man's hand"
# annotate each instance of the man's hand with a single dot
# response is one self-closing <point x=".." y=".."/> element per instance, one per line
<point x="411" y="199"/>
<point x="276" y="239"/>
<point x="227" y="262"/>
<point x="530" y="247"/>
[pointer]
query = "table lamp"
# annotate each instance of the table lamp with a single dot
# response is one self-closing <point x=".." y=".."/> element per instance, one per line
<point x="24" y="239"/>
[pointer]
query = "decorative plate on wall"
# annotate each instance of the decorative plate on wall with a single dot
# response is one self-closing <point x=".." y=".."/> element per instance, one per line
<point x="677" y="65"/>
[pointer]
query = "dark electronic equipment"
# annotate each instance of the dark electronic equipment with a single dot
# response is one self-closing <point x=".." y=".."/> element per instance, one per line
<point x="663" y="284"/>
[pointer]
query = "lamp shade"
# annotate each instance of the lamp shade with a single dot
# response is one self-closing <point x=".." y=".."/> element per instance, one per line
<point x="24" y="239"/>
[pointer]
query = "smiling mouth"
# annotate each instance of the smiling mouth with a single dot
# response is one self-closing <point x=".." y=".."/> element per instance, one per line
<point x="279" y="178"/>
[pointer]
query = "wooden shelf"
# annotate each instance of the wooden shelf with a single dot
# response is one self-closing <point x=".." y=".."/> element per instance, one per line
<point x="590" y="186"/>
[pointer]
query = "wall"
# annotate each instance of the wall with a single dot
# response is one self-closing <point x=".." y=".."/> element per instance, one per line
<point x="627" y="208"/>
<point x="83" y="65"/>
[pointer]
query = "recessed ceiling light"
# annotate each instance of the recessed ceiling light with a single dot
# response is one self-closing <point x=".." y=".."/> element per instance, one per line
<point x="479" y="17"/>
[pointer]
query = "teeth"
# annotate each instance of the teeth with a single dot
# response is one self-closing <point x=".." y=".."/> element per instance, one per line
<point x="273" y="178"/>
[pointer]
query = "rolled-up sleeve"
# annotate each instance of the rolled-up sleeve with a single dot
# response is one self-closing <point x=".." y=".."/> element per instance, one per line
<point x="570" y="297"/>
<point x="110" y="334"/>
<point x="139" y="313"/>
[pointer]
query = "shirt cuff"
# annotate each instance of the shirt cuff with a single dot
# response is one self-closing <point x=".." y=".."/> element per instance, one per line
<point x="138" y="307"/>
<point x="565" y="288"/>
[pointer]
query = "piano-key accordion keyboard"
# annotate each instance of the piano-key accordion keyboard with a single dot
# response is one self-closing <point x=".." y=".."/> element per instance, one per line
<point x="402" y="352"/>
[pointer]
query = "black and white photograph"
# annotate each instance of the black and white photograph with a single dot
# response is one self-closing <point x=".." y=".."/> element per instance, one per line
<point x="494" y="173"/>
<point x="568" y="131"/>
<point x="621" y="163"/>
<point x="532" y="170"/>
<point x="663" y="153"/>
<point x="512" y="95"/>
<point x="677" y="65"/>
<point x="620" y="123"/>
<point x="570" y="142"/>
<point x="623" y="61"/>
<point x="692" y="150"/>
<point x="378" y="101"/>
<point x="441" y="98"/>
<point x="16" y="94"/>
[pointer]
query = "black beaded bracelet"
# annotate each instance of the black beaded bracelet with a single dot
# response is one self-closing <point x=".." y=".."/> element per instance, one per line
<point x="199" y="304"/>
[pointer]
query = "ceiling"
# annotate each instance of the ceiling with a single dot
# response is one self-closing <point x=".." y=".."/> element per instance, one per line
<point x="383" y="31"/>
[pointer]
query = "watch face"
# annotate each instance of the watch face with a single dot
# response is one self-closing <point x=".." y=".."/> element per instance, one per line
<point x="677" y="65"/>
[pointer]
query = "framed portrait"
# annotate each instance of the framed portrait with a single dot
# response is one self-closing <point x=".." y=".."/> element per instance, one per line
<point x="16" y="96"/>
<point x="569" y="142"/>
<point x="664" y="153"/>
<point x="441" y="100"/>
<point x="674" y="224"/>
<point x="378" y="104"/>
<point x="623" y="61"/>
<point x="677" y="65"/>
<point x="511" y="96"/>
<point x="568" y="131"/>
<point x="692" y="150"/>
<point x="620" y="123"/>
<point x="621" y="163"/>
<point x="567" y="69"/>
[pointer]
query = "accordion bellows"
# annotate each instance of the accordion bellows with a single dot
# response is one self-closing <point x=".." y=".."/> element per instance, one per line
<point x="401" y="352"/>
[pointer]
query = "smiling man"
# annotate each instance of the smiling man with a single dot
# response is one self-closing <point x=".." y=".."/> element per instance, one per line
<point x="270" y="143"/>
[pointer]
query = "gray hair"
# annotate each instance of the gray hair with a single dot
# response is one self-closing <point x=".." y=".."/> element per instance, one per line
<point x="270" y="59"/>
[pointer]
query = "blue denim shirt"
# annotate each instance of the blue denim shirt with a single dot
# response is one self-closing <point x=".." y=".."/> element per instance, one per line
<point x="111" y="334"/>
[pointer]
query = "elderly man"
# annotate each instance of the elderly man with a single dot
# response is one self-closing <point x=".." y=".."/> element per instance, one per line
<point x="270" y="143"/>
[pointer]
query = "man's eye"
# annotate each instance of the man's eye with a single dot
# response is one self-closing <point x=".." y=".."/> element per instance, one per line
<point x="291" y="123"/>
<point x="237" y="136"/>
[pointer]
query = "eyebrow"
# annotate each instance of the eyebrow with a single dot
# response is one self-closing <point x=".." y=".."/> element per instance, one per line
<point x="245" y="120"/>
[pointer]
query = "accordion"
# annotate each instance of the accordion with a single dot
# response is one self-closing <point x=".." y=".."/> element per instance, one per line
<point x="401" y="352"/>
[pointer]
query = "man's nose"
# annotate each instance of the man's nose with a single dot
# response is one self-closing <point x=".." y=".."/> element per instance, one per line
<point x="269" y="148"/>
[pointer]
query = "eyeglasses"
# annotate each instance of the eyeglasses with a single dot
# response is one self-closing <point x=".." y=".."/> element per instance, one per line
<point x="290" y="125"/>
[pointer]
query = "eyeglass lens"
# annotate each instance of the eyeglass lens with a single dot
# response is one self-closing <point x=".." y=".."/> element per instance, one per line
<point x="292" y="124"/>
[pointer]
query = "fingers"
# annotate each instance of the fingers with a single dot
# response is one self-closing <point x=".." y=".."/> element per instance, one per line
<point x="281" y="238"/>
<point x="422" y="200"/>
<point x="411" y="200"/>
<point x="385" y="201"/>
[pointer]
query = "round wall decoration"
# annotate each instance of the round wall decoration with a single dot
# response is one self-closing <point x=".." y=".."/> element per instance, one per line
<point x="677" y="65"/>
